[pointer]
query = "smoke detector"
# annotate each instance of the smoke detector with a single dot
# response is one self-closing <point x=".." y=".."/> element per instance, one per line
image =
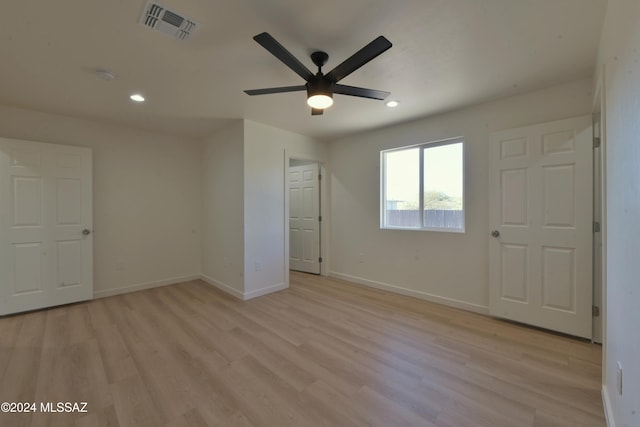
<point x="158" y="17"/>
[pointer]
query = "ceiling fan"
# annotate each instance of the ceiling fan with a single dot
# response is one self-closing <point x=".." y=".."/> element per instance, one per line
<point x="321" y="87"/>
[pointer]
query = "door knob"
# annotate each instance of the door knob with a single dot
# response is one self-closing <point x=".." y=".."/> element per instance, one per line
<point x="86" y="232"/>
<point x="495" y="233"/>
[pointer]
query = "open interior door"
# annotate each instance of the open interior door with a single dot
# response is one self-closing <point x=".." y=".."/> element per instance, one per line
<point x="541" y="225"/>
<point x="304" y="218"/>
<point x="45" y="225"/>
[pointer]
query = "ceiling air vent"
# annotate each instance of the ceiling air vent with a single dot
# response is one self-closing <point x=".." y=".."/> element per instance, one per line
<point x="167" y="21"/>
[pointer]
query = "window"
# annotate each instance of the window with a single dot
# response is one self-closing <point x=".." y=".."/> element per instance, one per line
<point x="422" y="187"/>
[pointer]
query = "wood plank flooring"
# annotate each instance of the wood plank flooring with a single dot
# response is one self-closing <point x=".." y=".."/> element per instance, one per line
<point x="322" y="353"/>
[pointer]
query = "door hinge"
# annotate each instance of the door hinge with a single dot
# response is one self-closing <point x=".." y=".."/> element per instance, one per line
<point x="595" y="311"/>
<point x="320" y="218"/>
<point x="320" y="259"/>
<point x="596" y="227"/>
<point x="319" y="177"/>
<point x="596" y="142"/>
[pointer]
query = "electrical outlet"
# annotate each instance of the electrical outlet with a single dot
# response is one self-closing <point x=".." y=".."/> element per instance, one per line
<point x="619" y="378"/>
<point x="258" y="266"/>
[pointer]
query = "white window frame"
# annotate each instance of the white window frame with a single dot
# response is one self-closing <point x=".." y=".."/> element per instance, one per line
<point x="422" y="147"/>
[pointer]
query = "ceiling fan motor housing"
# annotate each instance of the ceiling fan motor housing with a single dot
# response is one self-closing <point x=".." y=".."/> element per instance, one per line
<point x="320" y="86"/>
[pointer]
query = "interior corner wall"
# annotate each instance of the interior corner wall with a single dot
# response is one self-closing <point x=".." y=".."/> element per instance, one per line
<point x="146" y="197"/>
<point x="264" y="195"/>
<point x="450" y="268"/>
<point x="620" y="57"/>
<point x="222" y="209"/>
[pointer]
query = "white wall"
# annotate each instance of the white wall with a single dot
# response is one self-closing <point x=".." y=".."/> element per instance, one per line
<point x="153" y="192"/>
<point x="449" y="268"/>
<point x="620" y="56"/>
<point x="264" y="198"/>
<point x="222" y="209"/>
<point x="146" y="197"/>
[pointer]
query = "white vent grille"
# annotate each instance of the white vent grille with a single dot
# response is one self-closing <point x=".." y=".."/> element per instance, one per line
<point x="167" y="21"/>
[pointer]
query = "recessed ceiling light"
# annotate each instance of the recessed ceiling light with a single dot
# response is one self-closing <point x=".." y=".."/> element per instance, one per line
<point x="137" y="97"/>
<point x="392" y="104"/>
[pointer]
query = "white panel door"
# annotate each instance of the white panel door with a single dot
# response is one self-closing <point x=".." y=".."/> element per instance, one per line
<point x="304" y="218"/>
<point x="45" y="225"/>
<point x="541" y="221"/>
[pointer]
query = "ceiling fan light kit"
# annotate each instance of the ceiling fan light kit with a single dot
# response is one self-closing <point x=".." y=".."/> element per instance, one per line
<point x="320" y="87"/>
<point x="320" y="101"/>
<point x="320" y="93"/>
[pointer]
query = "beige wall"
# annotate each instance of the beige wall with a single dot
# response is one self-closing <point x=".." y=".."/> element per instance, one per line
<point x="153" y="193"/>
<point x="243" y="201"/>
<point x="146" y="197"/>
<point x="222" y="209"/>
<point x="450" y="268"/>
<point x="264" y="202"/>
<point x="619" y="66"/>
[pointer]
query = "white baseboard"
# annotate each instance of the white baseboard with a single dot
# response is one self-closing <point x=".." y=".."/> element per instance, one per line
<point x="244" y="296"/>
<point x="606" y="402"/>
<point x="223" y="286"/>
<point x="265" y="291"/>
<point x="412" y="293"/>
<point x="142" y="286"/>
<point x="174" y="280"/>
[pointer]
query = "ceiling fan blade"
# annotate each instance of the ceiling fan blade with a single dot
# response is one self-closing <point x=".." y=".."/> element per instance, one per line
<point x="361" y="92"/>
<point x="277" y="50"/>
<point x="275" y="90"/>
<point x="317" y="111"/>
<point x="358" y="59"/>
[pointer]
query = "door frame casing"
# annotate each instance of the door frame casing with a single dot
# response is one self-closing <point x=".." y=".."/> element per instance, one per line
<point x="600" y="107"/>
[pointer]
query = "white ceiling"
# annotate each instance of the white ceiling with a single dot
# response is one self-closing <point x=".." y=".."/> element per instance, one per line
<point x="446" y="54"/>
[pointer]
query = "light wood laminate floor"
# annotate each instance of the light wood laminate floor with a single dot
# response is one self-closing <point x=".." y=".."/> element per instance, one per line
<point x="322" y="353"/>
